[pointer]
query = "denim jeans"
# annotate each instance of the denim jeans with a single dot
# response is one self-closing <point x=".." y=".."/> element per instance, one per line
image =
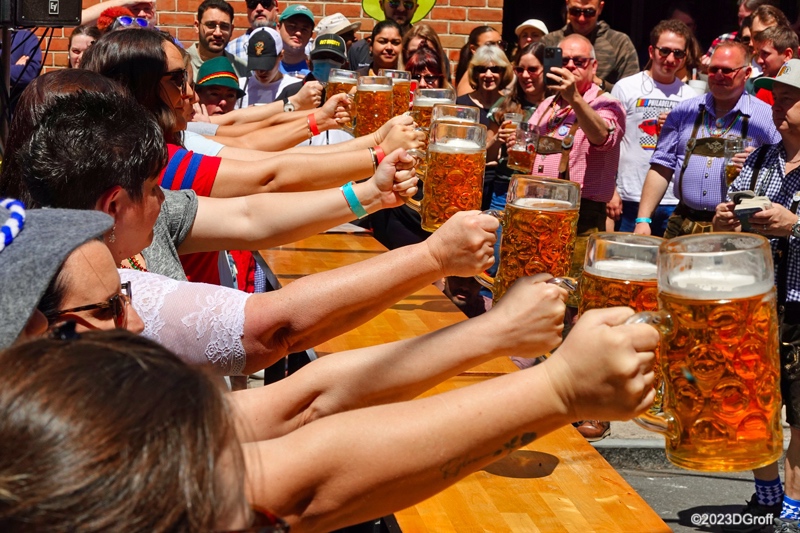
<point x="630" y="211"/>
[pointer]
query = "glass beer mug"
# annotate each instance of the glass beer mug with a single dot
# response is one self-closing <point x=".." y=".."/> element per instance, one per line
<point x="540" y="223"/>
<point x="401" y="89"/>
<point x="424" y="100"/>
<point x="721" y="406"/>
<point x="373" y="104"/>
<point x="455" y="160"/>
<point x="733" y="146"/>
<point x="341" y="81"/>
<point x="520" y="156"/>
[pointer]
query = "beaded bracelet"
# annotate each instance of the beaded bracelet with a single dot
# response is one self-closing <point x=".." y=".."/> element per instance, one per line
<point x="644" y="219"/>
<point x="16" y="221"/>
<point x="352" y="200"/>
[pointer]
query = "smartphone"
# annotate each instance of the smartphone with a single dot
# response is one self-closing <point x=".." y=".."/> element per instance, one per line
<point x="552" y="58"/>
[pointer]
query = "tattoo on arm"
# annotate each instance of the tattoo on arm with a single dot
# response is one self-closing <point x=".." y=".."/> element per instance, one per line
<point x="453" y="467"/>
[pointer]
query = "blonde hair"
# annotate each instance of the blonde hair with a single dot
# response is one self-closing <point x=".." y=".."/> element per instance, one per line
<point x="490" y="54"/>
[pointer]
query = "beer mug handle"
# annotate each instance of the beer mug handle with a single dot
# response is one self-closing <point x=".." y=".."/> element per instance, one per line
<point x="483" y="278"/>
<point x="419" y="155"/>
<point x="351" y="127"/>
<point x="655" y="419"/>
<point x="567" y="283"/>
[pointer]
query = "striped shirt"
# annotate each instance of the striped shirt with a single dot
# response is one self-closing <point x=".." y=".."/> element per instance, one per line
<point x="703" y="185"/>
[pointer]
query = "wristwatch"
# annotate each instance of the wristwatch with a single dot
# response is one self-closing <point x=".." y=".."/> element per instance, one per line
<point x="796" y="229"/>
<point x="287" y="105"/>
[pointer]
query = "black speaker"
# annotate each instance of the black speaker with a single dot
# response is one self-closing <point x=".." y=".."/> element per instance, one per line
<point x="42" y="13"/>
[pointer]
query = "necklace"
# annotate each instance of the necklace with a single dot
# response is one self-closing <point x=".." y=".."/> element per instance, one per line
<point x="719" y="129"/>
<point x="136" y="265"/>
<point x="15" y="222"/>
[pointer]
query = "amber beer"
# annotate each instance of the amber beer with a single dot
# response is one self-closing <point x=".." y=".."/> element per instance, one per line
<point x="453" y="182"/>
<point x="423" y="109"/>
<point x="626" y="283"/>
<point x="401" y="89"/>
<point x="519" y="158"/>
<point x="338" y="84"/>
<point x="538" y="236"/>
<point x="731" y="173"/>
<point x="373" y="104"/>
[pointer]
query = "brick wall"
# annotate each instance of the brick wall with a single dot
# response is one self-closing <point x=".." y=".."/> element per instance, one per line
<point x="452" y="20"/>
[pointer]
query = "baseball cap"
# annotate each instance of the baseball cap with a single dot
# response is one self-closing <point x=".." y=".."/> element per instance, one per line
<point x="218" y="71"/>
<point x="263" y="49"/>
<point x="330" y="43"/>
<point x="532" y="23"/>
<point x="336" y="23"/>
<point x="297" y="9"/>
<point x="789" y="74"/>
<point x="31" y="258"/>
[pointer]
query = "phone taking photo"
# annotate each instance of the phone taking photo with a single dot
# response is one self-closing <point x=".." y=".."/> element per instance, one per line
<point x="552" y="58"/>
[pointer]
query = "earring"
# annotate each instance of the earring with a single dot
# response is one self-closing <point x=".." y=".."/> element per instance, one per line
<point x="112" y="238"/>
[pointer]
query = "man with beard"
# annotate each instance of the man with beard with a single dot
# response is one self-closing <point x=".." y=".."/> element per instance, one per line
<point x="260" y="14"/>
<point x="214" y="26"/>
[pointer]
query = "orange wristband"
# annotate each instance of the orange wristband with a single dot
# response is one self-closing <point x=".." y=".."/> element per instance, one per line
<point x="312" y="124"/>
<point x="379" y="153"/>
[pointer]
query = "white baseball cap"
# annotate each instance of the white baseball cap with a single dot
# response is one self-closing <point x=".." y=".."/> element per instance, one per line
<point x="336" y="23"/>
<point x="789" y="74"/>
<point x="532" y="23"/>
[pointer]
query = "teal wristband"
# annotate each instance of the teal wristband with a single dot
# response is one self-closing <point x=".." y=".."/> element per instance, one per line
<point x="352" y="200"/>
<point x="644" y="219"/>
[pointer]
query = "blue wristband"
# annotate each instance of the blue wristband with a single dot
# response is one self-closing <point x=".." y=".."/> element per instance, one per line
<point x="644" y="219"/>
<point x="352" y="200"/>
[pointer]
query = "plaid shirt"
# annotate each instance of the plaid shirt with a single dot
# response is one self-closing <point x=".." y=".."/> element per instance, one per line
<point x="703" y="186"/>
<point x="780" y="188"/>
<point x="594" y="168"/>
<point x="716" y="42"/>
<point x="238" y="47"/>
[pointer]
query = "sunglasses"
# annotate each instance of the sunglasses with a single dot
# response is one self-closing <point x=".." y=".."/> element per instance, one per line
<point x="724" y="70"/>
<point x="580" y="62"/>
<point x="430" y="79"/>
<point x="179" y="78"/>
<point x="532" y="71"/>
<point x="665" y="52"/>
<point x="252" y="4"/>
<point x="264" y="523"/>
<point x="407" y="4"/>
<point x="117" y="305"/>
<point x="483" y="70"/>
<point x="588" y="12"/>
<point x="126" y="21"/>
<point x="224" y="27"/>
<point x="501" y="44"/>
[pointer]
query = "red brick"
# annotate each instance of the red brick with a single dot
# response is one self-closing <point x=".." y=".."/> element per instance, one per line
<point x="453" y="41"/>
<point x="486" y="15"/>
<point x="448" y="13"/>
<point x="439" y="27"/>
<point x="496" y="3"/>
<point x="462" y="28"/>
<point x="351" y="11"/>
<point x="175" y="19"/>
<point x="56" y="45"/>
<point x="186" y="35"/>
<point x="185" y="6"/>
<point x="469" y="3"/>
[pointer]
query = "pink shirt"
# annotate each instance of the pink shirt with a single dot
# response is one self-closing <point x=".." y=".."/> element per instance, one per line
<point x="594" y="168"/>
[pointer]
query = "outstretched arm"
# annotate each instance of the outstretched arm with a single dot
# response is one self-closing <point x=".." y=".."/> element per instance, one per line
<point x="655" y="185"/>
<point x="366" y="463"/>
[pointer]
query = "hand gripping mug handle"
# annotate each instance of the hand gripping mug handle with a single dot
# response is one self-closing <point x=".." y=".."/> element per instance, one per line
<point x="351" y="127"/>
<point x="484" y="278"/>
<point x="419" y="155"/>
<point x="655" y="419"/>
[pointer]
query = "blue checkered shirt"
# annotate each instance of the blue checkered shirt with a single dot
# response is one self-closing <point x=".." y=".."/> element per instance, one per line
<point x="703" y="186"/>
<point x="238" y="47"/>
<point x="780" y="189"/>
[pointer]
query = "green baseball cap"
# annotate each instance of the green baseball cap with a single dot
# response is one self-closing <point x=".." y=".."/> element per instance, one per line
<point x="297" y="9"/>
<point x="218" y="71"/>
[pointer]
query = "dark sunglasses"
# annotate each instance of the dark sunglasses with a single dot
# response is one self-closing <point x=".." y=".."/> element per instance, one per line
<point x="501" y="44"/>
<point x="407" y="4"/>
<point x="588" y="12"/>
<point x="224" y="27"/>
<point x="264" y="523"/>
<point x="664" y="52"/>
<point x="179" y="78"/>
<point x="266" y="4"/>
<point x="430" y="79"/>
<point x="532" y="71"/>
<point x="117" y="304"/>
<point x="745" y="39"/>
<point x="580" y="62"/>
<point x="126" y="21"/>
<point x="724" y="70"/>
<point x="483" y="70"/>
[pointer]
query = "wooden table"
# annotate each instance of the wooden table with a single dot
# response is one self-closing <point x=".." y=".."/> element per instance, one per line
<point x="558" y="483"/>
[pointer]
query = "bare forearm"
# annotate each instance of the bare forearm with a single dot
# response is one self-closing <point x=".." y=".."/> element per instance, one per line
<point x="248" y="115"/>
<point x="592" y="124"/>
<point x="655" y="185"/>
<point x="261" y="136"/>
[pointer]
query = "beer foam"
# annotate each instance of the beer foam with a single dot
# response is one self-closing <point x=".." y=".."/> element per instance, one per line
<point x="348" y="81"/>
<point x="543" y="204"/>
<point x="373" y="87"/>
<point x="714" y="285"/>
<point x="627" y="269"/>
<point x="455" y="146"/>
<point x="430" y="102"/>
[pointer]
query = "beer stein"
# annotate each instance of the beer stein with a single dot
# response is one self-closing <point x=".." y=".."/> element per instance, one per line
<point x="733" y="146"/>
<point x="401" y="89"/>
<point x="718" y="319"/>
<point x="455" y="160"/>
<point x="424" y="100"/>
<point x="539" y="223"/>
<point x="456" y="113"/>
<point x="520" y="156"/>
<point x="373" y="104"/>
<point x="343" y="81"/>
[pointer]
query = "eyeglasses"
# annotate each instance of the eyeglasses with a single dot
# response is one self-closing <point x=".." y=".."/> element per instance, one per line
<point x="266" y="4"/>
<point x="264" y="523"/>
<point x="483" y="70"/>
<point x="744" y="39"/>
<point x="126" y="21"/>
<point x="588" y="12"/>
<point x="117" y="304"/>
<point x="580" y="62"/>
<point x="224" y="27"/>
<point x="430" y="79"/>
<point x="532" y="71"/>
<point x="179" y="78"/>
<point x="665" y="52"/>
<point x="408" y="5"/>
<point x="724" y="70"/>
<point x="501" y="44"/>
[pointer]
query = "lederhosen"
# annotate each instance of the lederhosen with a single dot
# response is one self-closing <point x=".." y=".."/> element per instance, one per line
<point x="789" y="316"/>
<point x="695" y="220"/>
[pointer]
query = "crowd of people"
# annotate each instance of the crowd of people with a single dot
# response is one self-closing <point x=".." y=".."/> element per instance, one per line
<point x="135" y="185"/>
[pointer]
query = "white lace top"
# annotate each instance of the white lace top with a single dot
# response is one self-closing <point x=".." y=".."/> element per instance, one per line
<point x="202" y="324"/>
